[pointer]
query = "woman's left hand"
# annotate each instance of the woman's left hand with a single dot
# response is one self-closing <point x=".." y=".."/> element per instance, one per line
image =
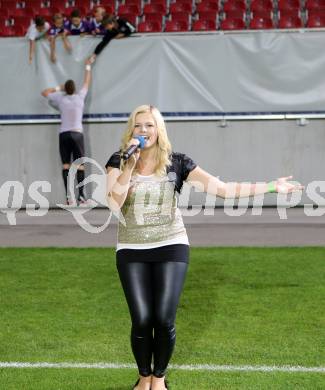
<point x="284" y="187"/>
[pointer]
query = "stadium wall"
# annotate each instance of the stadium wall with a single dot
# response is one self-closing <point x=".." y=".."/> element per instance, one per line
<point x="242" y="151"/>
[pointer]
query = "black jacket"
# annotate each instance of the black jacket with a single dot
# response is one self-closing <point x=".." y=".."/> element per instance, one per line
<point x="124" y="27"/>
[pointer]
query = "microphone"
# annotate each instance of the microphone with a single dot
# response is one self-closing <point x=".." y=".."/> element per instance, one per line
<point x="131" y="149"/>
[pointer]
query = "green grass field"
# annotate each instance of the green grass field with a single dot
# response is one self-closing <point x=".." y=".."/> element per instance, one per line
<point x="240" y="306"/>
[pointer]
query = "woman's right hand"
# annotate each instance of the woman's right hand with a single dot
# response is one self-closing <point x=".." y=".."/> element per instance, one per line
<point x="132" y="161"/>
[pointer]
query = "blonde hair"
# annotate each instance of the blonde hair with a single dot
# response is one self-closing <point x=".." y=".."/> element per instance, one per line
<point x="163" y="146"/>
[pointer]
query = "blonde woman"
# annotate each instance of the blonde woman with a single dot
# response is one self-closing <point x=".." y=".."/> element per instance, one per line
<point x="152" y="252"/>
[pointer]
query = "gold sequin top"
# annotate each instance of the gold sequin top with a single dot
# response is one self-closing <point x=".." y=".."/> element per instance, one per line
<point x="151" y="215"/>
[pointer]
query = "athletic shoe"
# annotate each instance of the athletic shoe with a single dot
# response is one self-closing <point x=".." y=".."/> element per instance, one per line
<point x="71" y="203"/>
<point x="82" y="202"/>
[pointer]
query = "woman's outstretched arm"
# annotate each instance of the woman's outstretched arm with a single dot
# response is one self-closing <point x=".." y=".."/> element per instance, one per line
<point x="203" y="181"/>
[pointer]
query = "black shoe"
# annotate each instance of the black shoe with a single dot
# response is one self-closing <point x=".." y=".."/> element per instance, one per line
<point x="136" y="384"/>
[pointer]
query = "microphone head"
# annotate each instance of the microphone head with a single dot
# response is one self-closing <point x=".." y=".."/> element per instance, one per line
<point x="142" y="141"/>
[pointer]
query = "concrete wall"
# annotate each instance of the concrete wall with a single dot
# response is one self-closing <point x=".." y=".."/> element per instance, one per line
<point x="243" y="151"/>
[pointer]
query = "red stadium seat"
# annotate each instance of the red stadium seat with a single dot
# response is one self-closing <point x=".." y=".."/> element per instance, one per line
<point x="288" y="4"/>
<point x="180" y="16"/>
<point x="9" y="5"/>
<point x="289" y="12"/>
<point x="259" y="5"/>
<point x="234" y="7"/>
<point x="30" y="12"/>
<point x="261" y="24"/>
<point x="262" y="14"/>
<point x="289" y="9"/>
<point x="7" y="31"/>
<point x="154" y="9"/>
<point x="4" y="13"/>
<point x="132" y="18"/>
<point x="207" y="6"/>
<point x="83" y="4"/>
<point x="232" y="24"/>
<point x="138" y="3"/>
<point x="112" y="10"/>
<point x="4" y="21"/>
<point x="316" y="21"/>
<point x="204" y="25"/>
<point x="290" y="22"/>
<point x="261" y="8"/>
<point x="20" y="31"/>
<point x="315" y="5"/>
<point x="108" y="8"/>
<point x="126" y="9"/>
<point x="61" y="10"/>
<point x="58" y="4"/>
<point x="107" y="4"/>
<point x="207" y="16"/>
<point x="151" y="26"/>
<point x="23" y="21"/>
<point x="235" y="14"/>
<point x="180" y="7"/>
<point x="53" y="10"/>
<point x="35" y="4"/>
<point x="176" y="26"/>
<point x="23" y="12"/>
<point x="316" y="12"/>
<point x="153" y="18"/>
<point x="183" y="1"/>
<point x="46" y="12"/>
<point x="163" y="2"/>
<point x="83" y="11"/>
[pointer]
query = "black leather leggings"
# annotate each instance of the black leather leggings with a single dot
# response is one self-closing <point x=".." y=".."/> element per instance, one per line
<point x="152" y="291"/>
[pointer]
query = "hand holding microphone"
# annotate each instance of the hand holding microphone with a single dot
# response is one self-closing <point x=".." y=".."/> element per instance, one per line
<point x="132" y="153"/>
<point x="136" y="142"/>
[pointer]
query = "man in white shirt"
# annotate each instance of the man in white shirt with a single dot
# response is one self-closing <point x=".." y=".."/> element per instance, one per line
<point x="37" y="30"/>
<point x="71" y="105"/>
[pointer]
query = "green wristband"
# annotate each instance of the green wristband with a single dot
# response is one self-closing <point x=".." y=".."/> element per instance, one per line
<point x="271" y="187"/>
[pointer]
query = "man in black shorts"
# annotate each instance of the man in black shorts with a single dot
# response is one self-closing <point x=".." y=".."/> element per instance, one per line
<point x="116" y="28"/>
<point x="71" y="104"/>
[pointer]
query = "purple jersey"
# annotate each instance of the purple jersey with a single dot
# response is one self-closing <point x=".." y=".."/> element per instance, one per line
<point x="54" y="31"/>
<point x="76" y="30"/>
<point x="96" y="28"/>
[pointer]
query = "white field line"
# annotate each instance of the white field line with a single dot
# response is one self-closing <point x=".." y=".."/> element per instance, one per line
<point x="189" y="367"/>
